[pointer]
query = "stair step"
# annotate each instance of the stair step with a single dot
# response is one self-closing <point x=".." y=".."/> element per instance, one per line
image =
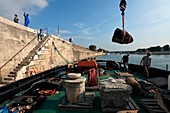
<point x="24" y="63"/>
<point x="16" y="69"/>
<point x="2" y="85"/>
<point x="37" y="47"/>
<point x="9" y="78"/>
<point x="12" y="75"/>
<point x="44" y="52"/>
<point x="19" y="66"/>
<point x="6" y="81"/>
<point x="31" y="54"/>
<point x="26" y="58"/>
<point x="13" y="72"/>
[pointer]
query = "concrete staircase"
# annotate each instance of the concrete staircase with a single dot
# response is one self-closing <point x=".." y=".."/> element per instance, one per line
<point x="11" y="77"/>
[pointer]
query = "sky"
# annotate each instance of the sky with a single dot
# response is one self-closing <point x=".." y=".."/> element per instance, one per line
<point x="93" y="22"/>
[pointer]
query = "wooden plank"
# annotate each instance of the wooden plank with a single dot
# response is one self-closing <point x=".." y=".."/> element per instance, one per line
<point x="155" y="107"/>
<point x="153" y="100"/>
<point x="132" y="107"/>
<point x="119" y="110"/>
<point x="81" y="106"/>
<point x="158" y="111"/>
<point x="128" y="111"/>
<point x="152" y="106"/>
<point x="158" y="81"/>
<point x="134" y="104"/>
<point x="151" y="103"/>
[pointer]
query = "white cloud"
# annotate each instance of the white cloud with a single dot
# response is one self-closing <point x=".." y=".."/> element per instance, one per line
<point x="85" y="31"/>
<point x="101" y="23"/>
<point x="65" y="31"/>
<point x="10" y="7"/>
<point x="80" y="25"/>
<point x="88" y="38"/>
<point x="83" y="28"/>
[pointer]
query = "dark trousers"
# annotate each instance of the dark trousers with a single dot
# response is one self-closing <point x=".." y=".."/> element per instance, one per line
<point x="125" y="68"/>
<point x="146" y="71"/>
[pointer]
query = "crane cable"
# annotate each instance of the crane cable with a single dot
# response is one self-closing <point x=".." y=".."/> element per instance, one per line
<point x="122" y="7"/>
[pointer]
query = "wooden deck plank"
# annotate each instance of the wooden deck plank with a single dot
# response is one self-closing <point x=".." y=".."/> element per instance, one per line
<point x="134" y="104"/>
<point x="83" y="106"/>
<point x="132" y="107"/>
<point x="152" y="106"/>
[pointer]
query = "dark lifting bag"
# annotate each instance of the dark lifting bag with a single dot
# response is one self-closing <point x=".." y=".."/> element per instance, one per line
<point x="122" y="37"/>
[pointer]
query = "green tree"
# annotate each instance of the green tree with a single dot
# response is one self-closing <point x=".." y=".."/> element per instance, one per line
<point x="166" y="47"/>
<point x="92" y="47"/>
<point x="141" y="50"/>
<point x="157" y="48"/>
<point x="100" y="50"/>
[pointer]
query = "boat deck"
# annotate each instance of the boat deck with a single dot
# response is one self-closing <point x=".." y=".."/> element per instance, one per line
<point x="53" y="103"/>
<point x="56" y="103"/>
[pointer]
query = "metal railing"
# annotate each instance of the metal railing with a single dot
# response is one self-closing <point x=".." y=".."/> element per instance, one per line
<point x="15" y="55"/>
<point x="18" y="53"/>
<point x="46" y="30"/>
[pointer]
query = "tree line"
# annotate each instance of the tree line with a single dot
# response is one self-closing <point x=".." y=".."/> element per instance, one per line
<point x="155" y="48"/>
<point x="94" y="48"/>
<point x="152" y="49"/>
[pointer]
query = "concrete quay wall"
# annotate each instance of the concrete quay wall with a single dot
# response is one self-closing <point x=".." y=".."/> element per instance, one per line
<point x="14" y="37"/>
<point x="56" y="52"/>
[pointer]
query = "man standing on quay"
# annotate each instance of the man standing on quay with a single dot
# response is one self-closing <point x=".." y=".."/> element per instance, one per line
<point x="27" y="20"/>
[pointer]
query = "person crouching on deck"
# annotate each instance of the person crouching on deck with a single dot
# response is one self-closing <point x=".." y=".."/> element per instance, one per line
<point x="125" y="60"/>
<point x="146" y="62"/>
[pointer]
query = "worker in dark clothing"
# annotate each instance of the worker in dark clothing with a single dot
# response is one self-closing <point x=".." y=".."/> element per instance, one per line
<point x="16" y="19"/>
<point x="125" y="60"/>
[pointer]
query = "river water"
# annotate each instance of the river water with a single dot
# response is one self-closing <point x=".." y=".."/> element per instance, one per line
<point x="158" y="61"/>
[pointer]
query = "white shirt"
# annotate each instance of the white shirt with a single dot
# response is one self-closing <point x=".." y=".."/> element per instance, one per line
<point x="146" y="61"/>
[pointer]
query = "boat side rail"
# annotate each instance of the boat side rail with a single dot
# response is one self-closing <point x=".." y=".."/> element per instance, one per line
<point x="153" y="72"/>
<point x="9" y="91"/>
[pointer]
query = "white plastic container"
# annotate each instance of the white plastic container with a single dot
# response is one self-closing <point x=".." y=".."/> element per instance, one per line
<point x="74" y="75"/>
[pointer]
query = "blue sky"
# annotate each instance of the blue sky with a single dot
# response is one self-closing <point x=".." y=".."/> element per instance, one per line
<point x="92" y="22"/>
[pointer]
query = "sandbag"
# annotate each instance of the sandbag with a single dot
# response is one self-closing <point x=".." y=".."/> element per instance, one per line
<point x="137" y="90"/>
<point x="121" y="37"/>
